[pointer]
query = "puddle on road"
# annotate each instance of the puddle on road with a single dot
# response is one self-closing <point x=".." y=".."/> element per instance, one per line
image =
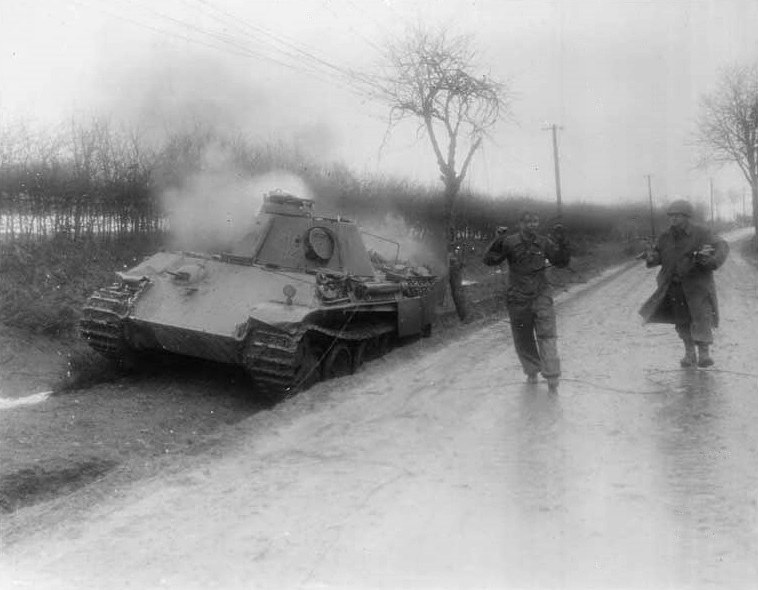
<point x="701" y="381"/>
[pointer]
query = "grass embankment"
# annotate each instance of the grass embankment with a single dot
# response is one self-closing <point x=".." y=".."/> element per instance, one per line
<point x="45" y="284"/>
<point x="485" y="286"/>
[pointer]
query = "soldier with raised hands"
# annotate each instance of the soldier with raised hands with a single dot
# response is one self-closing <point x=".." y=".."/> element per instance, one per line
<point x="529" y="296"/>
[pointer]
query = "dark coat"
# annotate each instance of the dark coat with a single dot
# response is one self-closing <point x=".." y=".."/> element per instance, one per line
<point x="676" y="254"/>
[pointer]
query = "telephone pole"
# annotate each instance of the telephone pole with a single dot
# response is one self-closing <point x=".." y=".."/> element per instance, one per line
<point x="554" y="128"/>
<point x="710" y="182"/>
<point x="652" y="214"/>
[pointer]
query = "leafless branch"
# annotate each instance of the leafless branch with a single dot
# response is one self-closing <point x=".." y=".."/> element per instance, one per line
<point x="430" y="76"/>
<point x="727" y="125"/>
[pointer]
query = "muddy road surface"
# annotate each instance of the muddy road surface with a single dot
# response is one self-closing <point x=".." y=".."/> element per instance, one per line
<point x="444" y="469"/>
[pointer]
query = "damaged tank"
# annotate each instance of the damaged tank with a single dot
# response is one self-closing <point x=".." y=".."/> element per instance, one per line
<point x="297" y="300"/>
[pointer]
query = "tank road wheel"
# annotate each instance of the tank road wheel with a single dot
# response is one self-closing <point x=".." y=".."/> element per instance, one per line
<point x="307" y="369"/>
<point x="378" y="346"/>
<point x="339" y="361"/>
<point x="359" y="354"/>
<point x="278" y="374"/>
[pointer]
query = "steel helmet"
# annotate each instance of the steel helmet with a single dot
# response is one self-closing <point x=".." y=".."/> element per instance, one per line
<point x="682" y="207"/>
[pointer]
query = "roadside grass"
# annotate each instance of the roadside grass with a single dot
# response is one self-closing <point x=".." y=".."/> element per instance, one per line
<point x="45" y="282"/>
<point x="37" y="483"/>
<point x="484" y="286"/>
<point x="589" y="258"/>
<point x="86" y="368"/>
<point x="748" y="249"/>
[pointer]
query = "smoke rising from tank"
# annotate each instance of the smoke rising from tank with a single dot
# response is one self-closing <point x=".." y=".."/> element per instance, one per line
<point x="173" y="93"/>
<point x="214" y="208"/>
<point x="197" y="95"/>
<point x="393" y="239"/>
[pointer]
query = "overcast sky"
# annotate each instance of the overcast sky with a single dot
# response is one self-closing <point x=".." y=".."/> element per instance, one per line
<point x="622" y="78"/>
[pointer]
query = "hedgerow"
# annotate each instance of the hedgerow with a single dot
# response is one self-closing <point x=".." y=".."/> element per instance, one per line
<point x="77" y="206"/>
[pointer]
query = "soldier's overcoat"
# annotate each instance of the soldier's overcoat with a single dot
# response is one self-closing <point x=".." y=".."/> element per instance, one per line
<point x="676" y="253"/>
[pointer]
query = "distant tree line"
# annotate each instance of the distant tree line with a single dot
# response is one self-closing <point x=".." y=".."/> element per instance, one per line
<point x="79" y="181"/>
<point x="91" y="180"/>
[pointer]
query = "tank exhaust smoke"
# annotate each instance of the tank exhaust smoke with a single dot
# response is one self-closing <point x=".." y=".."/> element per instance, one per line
<point x="415" y="246"/>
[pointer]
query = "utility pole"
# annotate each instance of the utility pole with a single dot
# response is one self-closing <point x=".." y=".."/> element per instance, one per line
<point x="710" y="181"/>
<point x="554" y="128"/>
<point x="652" y="214"/>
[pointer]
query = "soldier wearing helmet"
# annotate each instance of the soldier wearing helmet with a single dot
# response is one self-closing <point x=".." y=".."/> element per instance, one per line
<point x="688" y="254"/>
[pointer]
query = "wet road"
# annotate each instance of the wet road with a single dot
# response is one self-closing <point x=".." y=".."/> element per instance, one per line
<point x="440" y="468"/>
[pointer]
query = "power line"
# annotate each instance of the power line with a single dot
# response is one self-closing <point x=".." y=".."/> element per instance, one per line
<point x="129" y="20"/>
<point x="233" y="20"/>
<point x="220" y="37"/>
<point x="349" y="77"/>
<point x="363" y="13"/>
<point x="220" y="42"/>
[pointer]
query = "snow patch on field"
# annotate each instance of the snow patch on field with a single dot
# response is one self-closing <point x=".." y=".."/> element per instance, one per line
<point x="35" y="398"/>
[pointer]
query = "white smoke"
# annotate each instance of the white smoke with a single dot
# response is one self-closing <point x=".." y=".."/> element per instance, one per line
<point x="216" y="207"/>
<point x="396" y="240"/>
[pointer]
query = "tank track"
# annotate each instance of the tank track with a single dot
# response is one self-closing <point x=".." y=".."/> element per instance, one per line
<point x="274" y="360"/>
<point x="102" y="322"/>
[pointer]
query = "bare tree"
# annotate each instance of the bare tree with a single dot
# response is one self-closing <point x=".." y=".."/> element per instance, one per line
<point x="727" y="127"/>
<point x="430" y="77"/>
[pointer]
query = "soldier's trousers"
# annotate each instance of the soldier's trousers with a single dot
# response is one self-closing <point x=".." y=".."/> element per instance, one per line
<point x="535" y="335"/>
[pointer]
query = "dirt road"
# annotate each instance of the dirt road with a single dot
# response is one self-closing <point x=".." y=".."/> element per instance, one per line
<point x="443" y="469"/>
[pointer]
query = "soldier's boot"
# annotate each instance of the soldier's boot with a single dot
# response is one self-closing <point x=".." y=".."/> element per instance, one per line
<point x="690" y="357"/>
<point x="704" y="356"/>
<point x="531" y="378"/>
<point x="552" y="384"/>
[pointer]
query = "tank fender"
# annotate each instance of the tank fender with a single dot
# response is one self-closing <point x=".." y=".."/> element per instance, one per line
<point x="157" y="263"/>
<point x="275" y="314"/>
<point x="415" y="315"/>
<point x="134" y="281"/>
<point x="410" y="316"/>
<point x="363" y="289"/>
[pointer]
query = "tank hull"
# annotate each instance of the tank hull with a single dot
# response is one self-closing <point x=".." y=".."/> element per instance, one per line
<point x="302" y="302"/>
